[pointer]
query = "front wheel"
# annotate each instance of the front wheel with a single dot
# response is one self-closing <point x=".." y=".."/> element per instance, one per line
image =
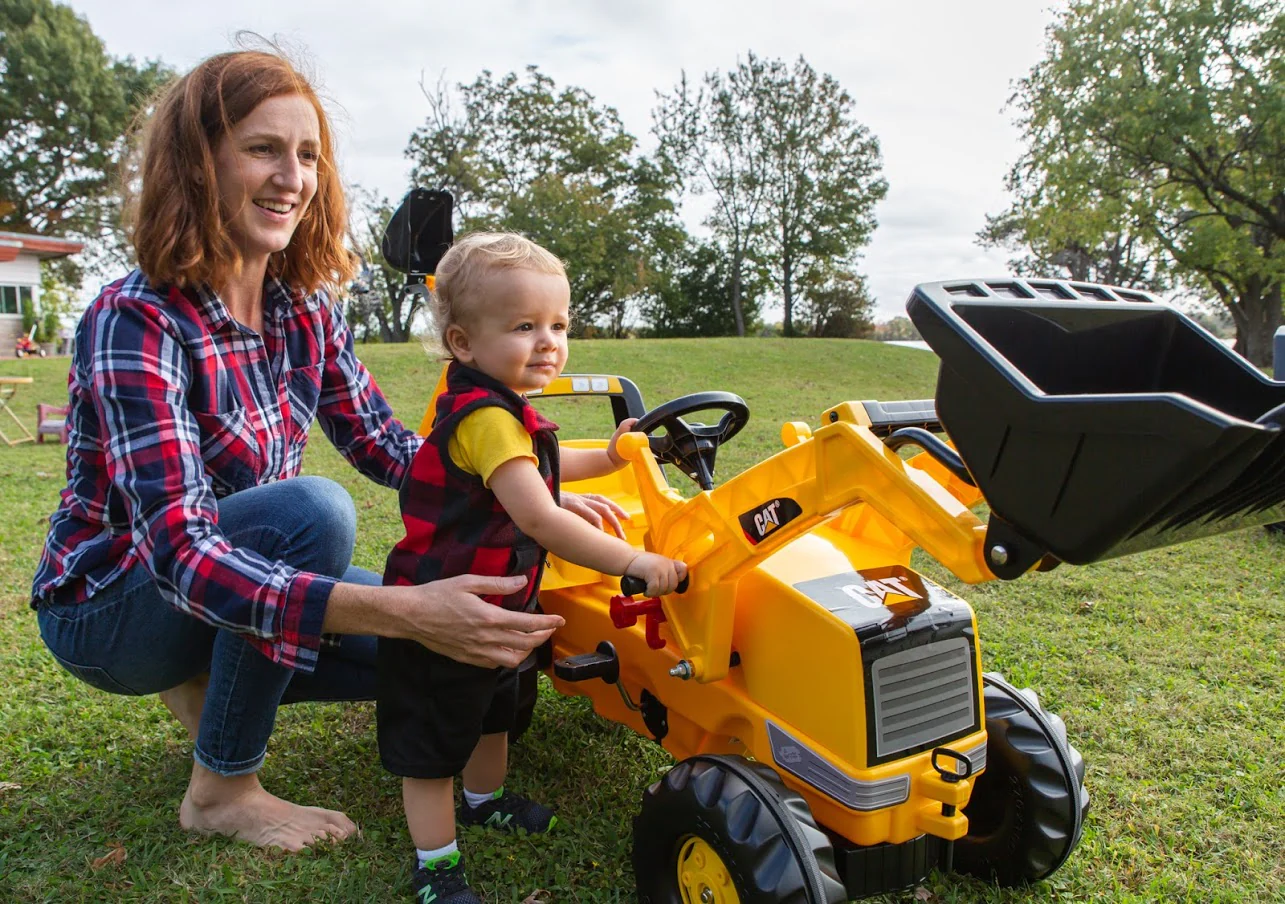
<point x="1026" y="811"/>
<point x="722" y="830"/>
<point x="43" y="353"/>
<point x="21" y="353"/>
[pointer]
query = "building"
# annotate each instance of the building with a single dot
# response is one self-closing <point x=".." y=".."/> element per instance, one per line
<point x="20" y="257"/>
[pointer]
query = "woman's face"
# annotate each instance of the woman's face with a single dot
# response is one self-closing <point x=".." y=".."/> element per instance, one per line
<point x="266" y="168"/>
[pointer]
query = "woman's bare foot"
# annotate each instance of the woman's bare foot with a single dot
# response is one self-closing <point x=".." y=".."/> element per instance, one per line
<point x="186" y="702"/>
<point x="238" y="806"/>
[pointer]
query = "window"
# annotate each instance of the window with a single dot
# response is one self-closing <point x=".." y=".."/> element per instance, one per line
<point x="12" y="298"/>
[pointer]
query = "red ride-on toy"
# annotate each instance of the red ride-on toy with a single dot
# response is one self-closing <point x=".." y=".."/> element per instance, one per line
<point x="26" y="345"/>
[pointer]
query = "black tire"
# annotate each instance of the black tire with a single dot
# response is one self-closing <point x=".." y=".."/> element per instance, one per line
<point x="1026" y="812"/>
<point x="763" y="833"/>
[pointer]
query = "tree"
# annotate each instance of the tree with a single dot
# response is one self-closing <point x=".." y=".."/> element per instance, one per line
<point x="1163" y="121"/>
<point x="1081" y="243"/>
<point x="519" y="153"/>
<point x="706" y="141"/>
<point x="795" y="177"/>
<point x="65" y="106"/>
<point x="896" y="329"/>
<point x="690" y="299"/>
<point x="837" y="306"/>
<point x="823" y="175"/>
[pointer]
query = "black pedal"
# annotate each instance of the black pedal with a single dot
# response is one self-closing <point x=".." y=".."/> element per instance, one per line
<point x="600" y="664"/>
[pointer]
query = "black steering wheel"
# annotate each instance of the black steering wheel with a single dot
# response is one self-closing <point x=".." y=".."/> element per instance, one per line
<point x="693" y="447"/>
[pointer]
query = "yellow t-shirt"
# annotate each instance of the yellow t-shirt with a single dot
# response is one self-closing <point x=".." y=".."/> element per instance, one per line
<point x="487" y="438"/>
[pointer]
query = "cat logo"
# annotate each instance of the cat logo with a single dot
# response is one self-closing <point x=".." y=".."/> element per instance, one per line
<point x="759" y="523"/>
<point x="881" y="592"/>
<point x="789" y="755"/>
<point x="873" y="600"/>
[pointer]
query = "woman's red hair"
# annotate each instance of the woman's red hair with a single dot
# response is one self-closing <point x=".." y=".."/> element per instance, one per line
<point x="179" y="231"/>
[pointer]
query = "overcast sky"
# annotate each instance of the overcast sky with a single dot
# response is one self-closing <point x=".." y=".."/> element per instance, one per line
<point x="930" y="79"/>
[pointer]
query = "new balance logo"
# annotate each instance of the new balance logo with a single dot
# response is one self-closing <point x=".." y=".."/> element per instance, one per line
<point x="498" y="820"/>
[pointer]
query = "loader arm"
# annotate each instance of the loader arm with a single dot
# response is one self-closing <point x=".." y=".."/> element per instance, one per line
<point x="723" y="533"/>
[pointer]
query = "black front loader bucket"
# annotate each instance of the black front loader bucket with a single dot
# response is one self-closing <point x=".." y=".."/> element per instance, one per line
<point x="1097" y="421"/>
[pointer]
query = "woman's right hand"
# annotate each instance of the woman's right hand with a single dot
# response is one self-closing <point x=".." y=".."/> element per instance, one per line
<point x="448" y="617"/>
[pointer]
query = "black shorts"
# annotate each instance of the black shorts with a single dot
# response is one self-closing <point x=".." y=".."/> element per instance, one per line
<point x="432" y="710"/>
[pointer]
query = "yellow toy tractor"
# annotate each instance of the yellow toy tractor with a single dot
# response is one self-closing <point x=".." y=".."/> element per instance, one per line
<point x="834" y="733"/>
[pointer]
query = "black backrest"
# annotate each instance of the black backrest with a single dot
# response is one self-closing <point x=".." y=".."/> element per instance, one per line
<point x="419" y="232"/>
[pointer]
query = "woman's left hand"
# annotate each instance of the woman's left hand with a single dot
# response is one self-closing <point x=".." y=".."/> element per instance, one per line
<point x="597" y="510"/>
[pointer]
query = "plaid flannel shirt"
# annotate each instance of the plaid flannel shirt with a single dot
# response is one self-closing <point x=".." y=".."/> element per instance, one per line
<point x="174" y="405"/>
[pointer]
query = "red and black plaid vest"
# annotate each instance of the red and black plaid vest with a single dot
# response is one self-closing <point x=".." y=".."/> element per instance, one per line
<point x="454" y="523"/>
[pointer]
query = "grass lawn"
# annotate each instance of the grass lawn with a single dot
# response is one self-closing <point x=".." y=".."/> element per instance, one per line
<point x="1167" y="668"/>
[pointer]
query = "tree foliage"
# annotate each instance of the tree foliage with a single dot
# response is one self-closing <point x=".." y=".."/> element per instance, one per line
<point x="521" y="154"/>
<point x="706" y="138"/>
<point x="1155" y="132"/>
<point x="898" y="328"/>
<point x="65" y="106"/>
<point x="837" y="306"/>
<point x="794" y="175"/>
<point x="691" y="296"/>
<point x="823" y="175"/>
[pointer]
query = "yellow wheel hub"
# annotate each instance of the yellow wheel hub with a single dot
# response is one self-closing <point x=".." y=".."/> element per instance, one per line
<point x="702" y="877"/>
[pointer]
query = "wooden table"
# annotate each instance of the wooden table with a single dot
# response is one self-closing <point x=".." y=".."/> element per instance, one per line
<point x="9" y="387"/>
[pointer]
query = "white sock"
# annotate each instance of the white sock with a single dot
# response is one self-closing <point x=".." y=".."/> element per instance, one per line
<point x="423" y="857"/>
<point x="476" y="800"/>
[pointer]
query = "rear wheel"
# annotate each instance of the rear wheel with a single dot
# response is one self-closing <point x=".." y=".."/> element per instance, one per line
<point x="722" y="830"/>
<point x="21" y="353"/>
<point x="1026" y="811"/>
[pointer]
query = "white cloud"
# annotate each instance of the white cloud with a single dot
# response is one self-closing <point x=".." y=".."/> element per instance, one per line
<point x="929" y="78"/>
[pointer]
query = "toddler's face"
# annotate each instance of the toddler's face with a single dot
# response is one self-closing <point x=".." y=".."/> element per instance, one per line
<point x="519" y="334"/>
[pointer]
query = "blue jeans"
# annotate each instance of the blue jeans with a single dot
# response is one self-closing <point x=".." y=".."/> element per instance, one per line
<point x="127" y="640"/>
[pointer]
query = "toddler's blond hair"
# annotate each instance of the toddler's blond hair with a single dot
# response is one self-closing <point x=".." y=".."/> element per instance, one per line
<point x="461" y="271"/>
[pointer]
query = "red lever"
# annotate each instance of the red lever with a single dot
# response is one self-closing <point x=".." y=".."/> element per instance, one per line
<point x="625" y="610"/>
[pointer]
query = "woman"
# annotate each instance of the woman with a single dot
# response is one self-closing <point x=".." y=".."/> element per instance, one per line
<point x="187" y="557"/>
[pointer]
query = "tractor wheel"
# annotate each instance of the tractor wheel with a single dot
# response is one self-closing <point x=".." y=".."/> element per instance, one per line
<point x="722" y="830"/>
<point x="1027" y="809"/>
<point x="20" y="352"/>
<point x="42" y="353"/>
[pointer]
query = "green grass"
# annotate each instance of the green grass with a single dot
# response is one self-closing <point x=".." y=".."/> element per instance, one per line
<point x="1166" y="666"/>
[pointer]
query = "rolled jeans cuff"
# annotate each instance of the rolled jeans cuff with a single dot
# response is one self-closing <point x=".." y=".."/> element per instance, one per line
<point x="228" y="769"/>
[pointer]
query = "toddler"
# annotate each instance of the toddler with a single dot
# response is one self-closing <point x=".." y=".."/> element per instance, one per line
<point x="482" y="498"/>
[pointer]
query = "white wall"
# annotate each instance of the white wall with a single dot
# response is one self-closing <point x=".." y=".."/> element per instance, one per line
<point x="25" y="271"/>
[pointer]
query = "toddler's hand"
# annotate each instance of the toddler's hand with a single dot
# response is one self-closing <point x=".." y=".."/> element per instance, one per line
<point x="661" y="574"/>
<point x="625" y="426"/>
